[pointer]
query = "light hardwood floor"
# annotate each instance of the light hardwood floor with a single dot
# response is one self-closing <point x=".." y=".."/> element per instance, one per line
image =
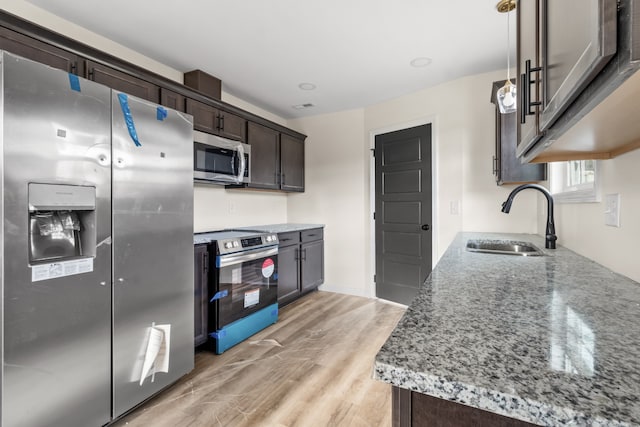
<point x="312" y="368"/>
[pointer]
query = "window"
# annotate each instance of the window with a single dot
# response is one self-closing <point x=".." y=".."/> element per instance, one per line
<point x="575" y="181"/>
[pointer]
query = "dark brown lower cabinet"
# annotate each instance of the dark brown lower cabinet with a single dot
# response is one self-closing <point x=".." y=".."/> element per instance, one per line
<point x="412" y="409"/>
<point x="200" y="276"/>
<point x="300" y="264"/>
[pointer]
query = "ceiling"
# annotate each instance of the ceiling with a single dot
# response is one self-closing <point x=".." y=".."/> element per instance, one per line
<point x="355" y="52"/>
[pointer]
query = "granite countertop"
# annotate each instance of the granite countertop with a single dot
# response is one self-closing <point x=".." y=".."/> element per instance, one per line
<point x="552" y="340"/>
<point x="207" y="237"/>
<point x="281" y="228"/>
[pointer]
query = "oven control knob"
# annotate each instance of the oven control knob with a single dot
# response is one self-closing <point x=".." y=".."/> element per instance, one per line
<point x="268" y="238"/>
<point x="228" y="245"/>
<point x="236" y="244"/>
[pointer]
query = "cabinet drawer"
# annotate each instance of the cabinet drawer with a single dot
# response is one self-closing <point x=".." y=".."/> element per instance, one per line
<point x="311" y="235"/>
<point x="291" y="238"/>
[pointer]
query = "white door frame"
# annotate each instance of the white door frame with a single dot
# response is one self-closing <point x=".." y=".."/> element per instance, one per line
<point x="432" y="119"/>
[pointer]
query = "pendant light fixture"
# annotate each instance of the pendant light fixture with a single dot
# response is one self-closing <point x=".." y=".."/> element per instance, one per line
<point x="507" y="93"/>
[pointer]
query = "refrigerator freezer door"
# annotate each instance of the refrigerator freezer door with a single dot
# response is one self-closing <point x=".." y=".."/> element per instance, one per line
<point x="153" y="249"/>
<point x="56" y="315"/>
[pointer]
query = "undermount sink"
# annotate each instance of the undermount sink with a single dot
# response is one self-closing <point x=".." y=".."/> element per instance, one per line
<point x="504" y="247"/>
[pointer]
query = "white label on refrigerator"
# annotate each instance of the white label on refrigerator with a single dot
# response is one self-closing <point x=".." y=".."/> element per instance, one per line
<point x="251" y="298"/>
<point x="61" y="269"/>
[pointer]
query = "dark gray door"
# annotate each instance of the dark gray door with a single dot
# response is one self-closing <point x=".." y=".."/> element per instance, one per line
<point x="403" y="212"/>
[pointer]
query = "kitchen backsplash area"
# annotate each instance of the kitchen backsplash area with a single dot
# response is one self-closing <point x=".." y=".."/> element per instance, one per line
<point x="216" y="208"/>
<point x="581" y="226"/>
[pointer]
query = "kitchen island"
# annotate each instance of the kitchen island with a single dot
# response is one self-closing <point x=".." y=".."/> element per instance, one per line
<point x="550" y="340"/>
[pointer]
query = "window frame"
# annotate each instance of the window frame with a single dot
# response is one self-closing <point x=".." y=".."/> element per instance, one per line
<point x="582" y="193"/>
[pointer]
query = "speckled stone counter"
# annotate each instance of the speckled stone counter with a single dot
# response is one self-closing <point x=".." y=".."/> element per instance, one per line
<point x="281" y="228"/>
<point x="205" y="238"/>
<point x="552" y="340"/>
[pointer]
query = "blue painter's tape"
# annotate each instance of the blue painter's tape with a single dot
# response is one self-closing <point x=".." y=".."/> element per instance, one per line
<point x="219" y="295"/>
<point x="128" y="118"/>
<point x="161" y="113"/>
<point x="217" y="335"/>
<point x="74" y="82"/>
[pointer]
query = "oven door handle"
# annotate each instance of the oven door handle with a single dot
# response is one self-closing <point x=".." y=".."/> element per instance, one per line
<point x="240" y="257"/>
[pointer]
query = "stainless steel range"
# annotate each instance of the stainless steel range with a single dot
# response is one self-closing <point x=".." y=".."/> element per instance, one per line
<point x="243" y="289"/>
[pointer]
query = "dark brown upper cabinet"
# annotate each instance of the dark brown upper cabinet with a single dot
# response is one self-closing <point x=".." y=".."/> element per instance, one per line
<point x="265" y="156"/>
<point x="122" y="81"/>
<point x="44" y="53"/>
<point x="528" y="41"/>
<point x="217" y="122"/>
<point x="291" y="163"/>
<point x="567" y="75"/>
<point x="277" y="159"/>
<point x="232" y="126"/>
<point x="171" y="99"/>
<point x="507" y="168"/>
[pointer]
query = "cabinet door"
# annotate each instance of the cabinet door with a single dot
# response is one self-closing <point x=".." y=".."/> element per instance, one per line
<point x="36" y="50"/>
<point x="205" y="117"/>
<point x="288" y="274"/>
<point x="200" y="275"/>
<point x="574" y="54"/>
<point x="291" y="163"/>
<point x="265" y="156"/>
<point x="123" y="82"/>
<point x="312" y="265"/>
<point x="232" y="126"/>
<point x="530" y="84"/>
<point x="171" y="99"/>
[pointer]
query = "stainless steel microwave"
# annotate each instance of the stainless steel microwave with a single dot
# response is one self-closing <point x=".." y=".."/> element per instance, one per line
<point x="219" y="160"/>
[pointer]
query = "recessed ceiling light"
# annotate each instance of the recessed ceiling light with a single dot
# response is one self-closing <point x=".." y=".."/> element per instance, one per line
<point x="307" y="86"/>
<point x="302" y="106"/>
<point x="420" y="62"/>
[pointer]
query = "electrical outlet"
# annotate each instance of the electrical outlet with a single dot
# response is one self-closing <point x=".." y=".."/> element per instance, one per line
<point x="612" y="210"/>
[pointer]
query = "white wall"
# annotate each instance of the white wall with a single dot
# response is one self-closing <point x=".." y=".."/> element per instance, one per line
<point x="335" y="194"/>
<point x="463" y="136"/>
<point x="580" y="226"/>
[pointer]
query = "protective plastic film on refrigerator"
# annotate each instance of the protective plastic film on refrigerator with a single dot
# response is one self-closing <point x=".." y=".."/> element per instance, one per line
<point x="96" y="274"/>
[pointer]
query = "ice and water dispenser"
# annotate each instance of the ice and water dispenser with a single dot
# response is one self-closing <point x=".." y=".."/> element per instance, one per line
<point x="61" y="222"/>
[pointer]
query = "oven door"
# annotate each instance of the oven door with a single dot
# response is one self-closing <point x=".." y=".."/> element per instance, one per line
<point x="245" y="282"/>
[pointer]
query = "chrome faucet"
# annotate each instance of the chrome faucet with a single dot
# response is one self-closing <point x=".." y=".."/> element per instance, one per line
<point x="550" y="233"/>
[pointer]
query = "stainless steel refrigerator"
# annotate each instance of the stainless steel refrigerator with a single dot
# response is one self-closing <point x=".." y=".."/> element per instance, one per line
<point x="97" y="246"/>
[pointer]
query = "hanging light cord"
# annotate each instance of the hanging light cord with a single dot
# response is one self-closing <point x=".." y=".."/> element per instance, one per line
<point x="508" y="49"/>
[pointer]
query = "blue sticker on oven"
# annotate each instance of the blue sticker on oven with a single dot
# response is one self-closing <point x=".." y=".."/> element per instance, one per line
<point x="268" y="267"/>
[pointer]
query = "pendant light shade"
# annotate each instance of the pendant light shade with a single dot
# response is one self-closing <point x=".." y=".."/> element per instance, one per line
<point x="507" y="94"/>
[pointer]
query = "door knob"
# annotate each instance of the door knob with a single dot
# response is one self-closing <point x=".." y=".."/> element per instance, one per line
<point x="425" y="227"/>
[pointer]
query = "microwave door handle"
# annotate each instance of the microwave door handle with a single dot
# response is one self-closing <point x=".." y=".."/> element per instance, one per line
<point x="243" y="165"/>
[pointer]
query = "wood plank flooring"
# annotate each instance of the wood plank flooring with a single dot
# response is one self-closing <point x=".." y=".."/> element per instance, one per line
<point x="312" y="368"/>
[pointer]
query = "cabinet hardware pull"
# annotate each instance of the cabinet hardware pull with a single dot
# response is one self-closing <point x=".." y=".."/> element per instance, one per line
<point x="304" y="254"/>
<point x="529" y="82"/>
<point x="495" y="165"/>
<point x="523" y="98"/>
<point x="90" y="74"/>
<point x="221" y="122"/>
<point x="297" y="255"/>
